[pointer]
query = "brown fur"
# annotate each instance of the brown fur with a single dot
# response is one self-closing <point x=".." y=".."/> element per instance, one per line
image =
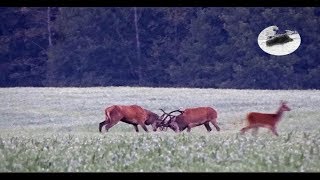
<point x="131" y="114"/>
<point x="256" y="120"/>
<point x="193" y="117"/>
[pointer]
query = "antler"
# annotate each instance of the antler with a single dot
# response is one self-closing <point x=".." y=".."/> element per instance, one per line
<point x="169" y="114"/>
<point x="162" y="116"/>
<point x="178" y="110"/>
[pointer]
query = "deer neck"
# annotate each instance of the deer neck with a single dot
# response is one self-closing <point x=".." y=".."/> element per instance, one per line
<point x="279" y="113"/>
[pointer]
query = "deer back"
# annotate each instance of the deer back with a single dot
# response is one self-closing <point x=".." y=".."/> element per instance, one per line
<point x="193" y="115"/>
<point x="262" y="118"/>
<point x="133" y="112"/>
<point x="268" y="119"/>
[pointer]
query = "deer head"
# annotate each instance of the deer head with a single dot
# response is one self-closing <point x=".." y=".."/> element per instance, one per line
<point x="169" y="123"/>
<point x="284" y="106"/>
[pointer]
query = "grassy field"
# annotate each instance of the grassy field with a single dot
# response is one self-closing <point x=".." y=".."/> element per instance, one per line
<point x="56" y="130"/>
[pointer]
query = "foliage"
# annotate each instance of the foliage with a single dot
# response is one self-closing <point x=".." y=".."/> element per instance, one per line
<point x="180" y="47"/>
<point x="167" y="152"/>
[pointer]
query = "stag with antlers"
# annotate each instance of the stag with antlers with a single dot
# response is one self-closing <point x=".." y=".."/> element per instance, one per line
<point x="189" y="118"/>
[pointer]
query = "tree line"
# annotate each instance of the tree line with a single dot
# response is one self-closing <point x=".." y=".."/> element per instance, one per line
<point x="212" y="47"/>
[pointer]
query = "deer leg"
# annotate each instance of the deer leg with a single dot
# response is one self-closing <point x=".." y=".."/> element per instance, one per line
<point x="189" y="129"/>
<point x="101" y="125"/>
<point x="255" y="126"/>
<point x="243" y="130"/>
<point x="214" y="122"/>
<point x="274" y="131"/>
<point x="136" y="127"/>
<point x="109" y="125"/>
<point x="116" y="117"/>
<point x="255" y="131"/>
<point x="183" y="128"/>
<point x="190" y="126"/>
<point x="207" y="126"/>
<point x="144" y="127"/>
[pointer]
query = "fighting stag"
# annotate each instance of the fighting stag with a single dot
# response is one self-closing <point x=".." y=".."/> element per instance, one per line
<point x="131" y="114"/>
<point x="270" y="121"/>
<point x="191" y="117"/>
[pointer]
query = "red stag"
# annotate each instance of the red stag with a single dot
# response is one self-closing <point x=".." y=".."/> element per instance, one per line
<point x="270" y="121"/>
<point x="132" y="114"/>
<point x="190" y="118"/>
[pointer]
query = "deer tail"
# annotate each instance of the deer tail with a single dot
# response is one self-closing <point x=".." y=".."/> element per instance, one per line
<point x="107" y="112"/>
<point x="244" y="121"/>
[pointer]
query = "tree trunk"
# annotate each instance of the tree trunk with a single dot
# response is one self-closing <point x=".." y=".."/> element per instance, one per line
<point x="138" y="46"/>
<point x="49" y="27"/>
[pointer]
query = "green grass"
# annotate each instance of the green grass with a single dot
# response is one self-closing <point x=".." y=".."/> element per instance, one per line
<point x="56" y="130"/>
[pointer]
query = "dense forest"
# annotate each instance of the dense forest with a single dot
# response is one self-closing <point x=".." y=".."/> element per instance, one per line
<point x="212" y="47"/>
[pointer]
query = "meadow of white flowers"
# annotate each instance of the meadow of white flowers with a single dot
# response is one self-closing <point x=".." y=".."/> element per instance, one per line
<point x="56" y="130"/>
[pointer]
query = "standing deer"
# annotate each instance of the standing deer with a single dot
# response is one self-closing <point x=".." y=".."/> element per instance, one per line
<point x="132" y="114"/>
<point x="190" y="118"/>
<point x="270" y="121"/>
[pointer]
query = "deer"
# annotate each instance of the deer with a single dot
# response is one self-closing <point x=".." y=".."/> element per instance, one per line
<point x="256" y="120"/>
<point x="191" y="117"/>
<point x="131" y="114"/>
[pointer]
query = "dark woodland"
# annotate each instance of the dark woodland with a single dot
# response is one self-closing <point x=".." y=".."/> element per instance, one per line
<point x="155" y="47"/>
